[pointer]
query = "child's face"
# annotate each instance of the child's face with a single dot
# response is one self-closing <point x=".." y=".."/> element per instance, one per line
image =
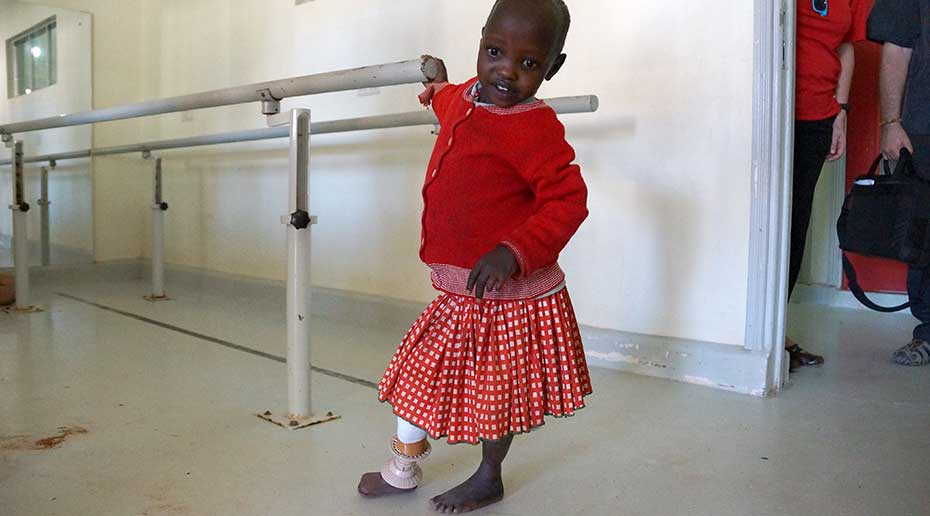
<point x="514" y="58"/>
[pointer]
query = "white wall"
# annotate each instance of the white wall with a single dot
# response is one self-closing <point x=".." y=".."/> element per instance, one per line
<point x="667" y="157"/>
<point x="821" y="260"/>
<point x="70" y="187"/>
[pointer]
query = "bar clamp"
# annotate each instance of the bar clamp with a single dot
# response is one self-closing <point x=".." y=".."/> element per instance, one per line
<point x="300" y="219"/>
<point x="271" y="105"/>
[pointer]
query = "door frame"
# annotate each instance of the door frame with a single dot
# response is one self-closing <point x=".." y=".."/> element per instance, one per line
<point x="772" y="162"/>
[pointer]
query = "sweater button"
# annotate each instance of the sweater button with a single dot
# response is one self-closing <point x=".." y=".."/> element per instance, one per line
<point x="467" y="113"/>
<point x="436" y="171"/>
<point x="450" y="142"/>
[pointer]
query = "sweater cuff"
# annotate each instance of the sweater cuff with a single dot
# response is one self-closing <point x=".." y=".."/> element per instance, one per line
<point x="431" y="90"/>
<point x="521" y="259"/>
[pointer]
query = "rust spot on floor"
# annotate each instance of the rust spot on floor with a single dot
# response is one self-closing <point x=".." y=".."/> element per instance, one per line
<point x="25" y="442"/>
<point x="56" y="440"/>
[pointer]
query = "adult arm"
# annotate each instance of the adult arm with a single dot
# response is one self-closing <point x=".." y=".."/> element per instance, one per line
<point x="892" y="81"/>
<point x="847" y="54"/>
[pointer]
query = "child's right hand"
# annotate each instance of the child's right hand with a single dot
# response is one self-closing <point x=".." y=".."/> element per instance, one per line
<point x="492" y="271"/>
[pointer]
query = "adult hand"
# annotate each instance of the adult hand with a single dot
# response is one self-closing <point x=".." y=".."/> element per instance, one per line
<point x="491" y="271"/>
<point x="441" y="74"/>
<point x="894" y="138"/>
<point x="838" y="143"/>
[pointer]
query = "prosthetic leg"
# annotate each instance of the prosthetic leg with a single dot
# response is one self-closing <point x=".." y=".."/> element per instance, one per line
<point x="400" y="473"/>
<point x="401" y="470"/>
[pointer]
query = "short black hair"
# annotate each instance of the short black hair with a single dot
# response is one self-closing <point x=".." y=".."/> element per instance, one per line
<point x="563" y="18"/>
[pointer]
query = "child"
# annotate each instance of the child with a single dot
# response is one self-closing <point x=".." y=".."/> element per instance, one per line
<point x="499" y="348"/>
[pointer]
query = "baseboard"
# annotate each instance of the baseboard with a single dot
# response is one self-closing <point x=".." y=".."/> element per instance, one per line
<point x="334" y="304"/>
<point x="720" y="366"/>
<point x="708" y="364"/>
<point x="59" y="253"/>
<point x="838" y="298"/>
<point x="115" y="270"/>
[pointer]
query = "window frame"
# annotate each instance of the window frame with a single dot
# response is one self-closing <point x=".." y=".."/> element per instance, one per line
<point x="18" y="79"/>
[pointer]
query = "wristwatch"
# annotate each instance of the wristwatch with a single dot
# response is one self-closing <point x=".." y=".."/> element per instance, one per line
<point x="845" y="107"/>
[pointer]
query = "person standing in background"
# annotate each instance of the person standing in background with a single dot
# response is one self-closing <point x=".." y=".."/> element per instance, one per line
<point x="903" y="28"/>
<point x="826" y="32"/>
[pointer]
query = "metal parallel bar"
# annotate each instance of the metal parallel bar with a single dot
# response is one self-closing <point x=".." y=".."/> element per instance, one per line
<point x="405" y="72"/>
<point x="298" y="267"/>
<point x="43" y="203"/>
<point x="561" y="105"/>
<point x="158" y="236"/>
<point x="20" y="238"/>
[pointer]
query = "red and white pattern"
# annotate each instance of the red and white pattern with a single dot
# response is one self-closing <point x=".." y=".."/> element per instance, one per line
<point x="454" y="280"/>
<point x="471" y="95"/>
<point x="473" y="369"/>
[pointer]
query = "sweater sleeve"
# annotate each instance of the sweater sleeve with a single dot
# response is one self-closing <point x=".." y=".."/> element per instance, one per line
<point x="442" y="98"/>
<point x="561" y="200"/>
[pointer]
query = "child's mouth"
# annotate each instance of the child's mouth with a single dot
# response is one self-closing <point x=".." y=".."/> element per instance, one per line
<point x="504" y="91"/>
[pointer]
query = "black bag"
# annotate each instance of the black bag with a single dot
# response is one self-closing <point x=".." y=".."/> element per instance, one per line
<point x="886" y="216"/>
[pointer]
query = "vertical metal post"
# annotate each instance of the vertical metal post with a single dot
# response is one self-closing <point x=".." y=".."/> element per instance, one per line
<point x="298" y="267"/>
<point x="43" y="217"/>
<point x="299" y="222"/>
<point x="158" y="237"/>
<point x="20" y="238"/>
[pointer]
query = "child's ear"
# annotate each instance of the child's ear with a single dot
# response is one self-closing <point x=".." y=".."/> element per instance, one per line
<point x="556" y="66"/>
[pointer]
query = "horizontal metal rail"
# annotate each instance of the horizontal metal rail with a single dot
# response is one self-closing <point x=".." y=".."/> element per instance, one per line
<point x="562" y="105"/>
<point x="405" y="72"/>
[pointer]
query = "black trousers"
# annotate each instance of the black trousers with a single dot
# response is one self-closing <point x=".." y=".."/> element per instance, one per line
<point x="812" y="141"/>
<point x="918" y="285"/>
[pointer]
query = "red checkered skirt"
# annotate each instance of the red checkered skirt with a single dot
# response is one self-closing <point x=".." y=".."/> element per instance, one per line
<point x="474" y="369"/>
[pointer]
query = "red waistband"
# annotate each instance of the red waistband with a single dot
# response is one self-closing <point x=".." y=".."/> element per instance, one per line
<point x="453" y="280"/>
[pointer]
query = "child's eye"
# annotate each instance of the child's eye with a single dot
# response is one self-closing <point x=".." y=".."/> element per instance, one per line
<point x="529" y="64"/>
<point x="494" y="52"/>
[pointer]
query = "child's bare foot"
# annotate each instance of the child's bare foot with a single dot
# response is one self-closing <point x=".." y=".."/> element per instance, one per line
<point x="481" y="489"/>
<point x="373" y="486"/>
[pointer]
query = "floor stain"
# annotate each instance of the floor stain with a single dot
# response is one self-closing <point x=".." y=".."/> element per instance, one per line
<point x="161" y="500"/>
<point x="25" y="442"/>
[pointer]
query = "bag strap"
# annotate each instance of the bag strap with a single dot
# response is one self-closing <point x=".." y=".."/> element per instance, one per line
<point x="873" y="170"/>
<point x="860" y="294"/>
<point x="905" y="164"/>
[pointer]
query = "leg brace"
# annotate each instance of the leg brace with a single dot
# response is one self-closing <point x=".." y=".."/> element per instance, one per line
<point x="402" y="471"/>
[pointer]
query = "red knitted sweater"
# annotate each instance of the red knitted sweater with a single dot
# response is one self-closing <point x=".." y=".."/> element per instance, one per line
<point x="499" y="176"/>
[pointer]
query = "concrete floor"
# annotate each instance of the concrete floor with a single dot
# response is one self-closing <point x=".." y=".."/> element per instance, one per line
<point x="170" y="425"/>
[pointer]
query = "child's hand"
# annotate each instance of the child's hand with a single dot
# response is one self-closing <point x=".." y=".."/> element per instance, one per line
<point x="426" y="97"/>
<point x="491" y="271"/>
<point x="441" y="74"/>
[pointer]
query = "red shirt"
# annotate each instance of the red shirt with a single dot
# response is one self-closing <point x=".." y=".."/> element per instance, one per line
<point x="499" y="176"/>
<point x="818" y="65"/>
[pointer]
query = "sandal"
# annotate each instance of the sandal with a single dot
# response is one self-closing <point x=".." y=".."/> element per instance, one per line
<point x="800" y="358"/>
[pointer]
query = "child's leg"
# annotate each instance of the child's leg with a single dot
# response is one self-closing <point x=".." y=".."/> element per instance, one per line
<point x="483" y="488"/>
<point x="400" y="473"/>
<point x="412" y="440"/>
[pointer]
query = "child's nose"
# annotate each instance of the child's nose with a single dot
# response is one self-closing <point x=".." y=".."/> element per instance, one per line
<point x="508" y="71"/>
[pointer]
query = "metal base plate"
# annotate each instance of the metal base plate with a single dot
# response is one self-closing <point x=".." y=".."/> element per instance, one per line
<point x="30" y="310"/>
<point x="155" y="299"/>
<point x="296" y="423"/>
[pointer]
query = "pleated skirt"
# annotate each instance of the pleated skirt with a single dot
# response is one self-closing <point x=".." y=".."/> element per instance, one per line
<point x="472" y="370"/>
